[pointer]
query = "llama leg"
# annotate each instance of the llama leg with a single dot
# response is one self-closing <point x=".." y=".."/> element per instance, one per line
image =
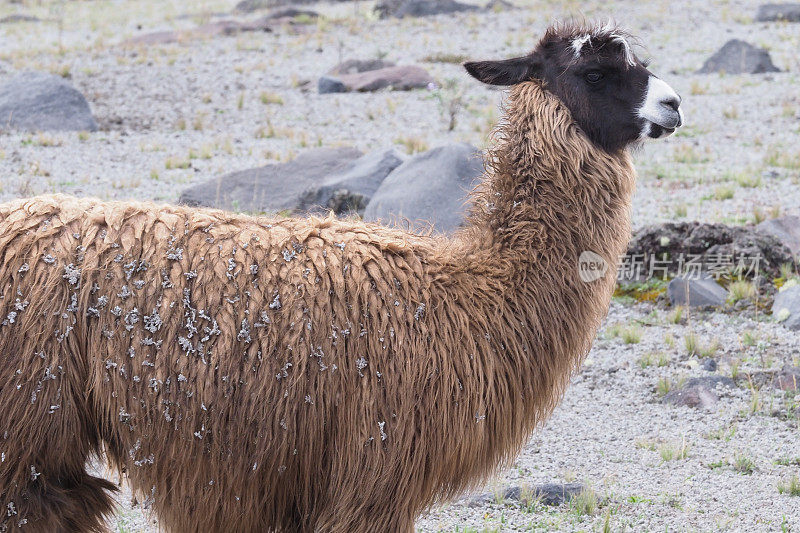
<point x="45" y="440"/>
<point x="60" y="504"/>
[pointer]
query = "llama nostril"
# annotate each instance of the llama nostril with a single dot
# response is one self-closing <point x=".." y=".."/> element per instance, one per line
<point x="672" y="102"/>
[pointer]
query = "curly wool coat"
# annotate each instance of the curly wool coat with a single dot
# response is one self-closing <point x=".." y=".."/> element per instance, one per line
<point x="256" y="374"/>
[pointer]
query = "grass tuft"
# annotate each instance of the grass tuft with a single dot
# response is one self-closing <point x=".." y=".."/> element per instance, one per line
<point x="790" y="487"/>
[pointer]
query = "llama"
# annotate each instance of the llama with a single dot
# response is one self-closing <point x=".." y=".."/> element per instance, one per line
<point x="261" y="374"/>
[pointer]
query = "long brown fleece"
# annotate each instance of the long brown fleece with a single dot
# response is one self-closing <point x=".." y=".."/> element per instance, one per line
<point x="266" y="374"/>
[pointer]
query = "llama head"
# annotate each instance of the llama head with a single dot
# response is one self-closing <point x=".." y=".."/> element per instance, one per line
<point x="612" y="96"/>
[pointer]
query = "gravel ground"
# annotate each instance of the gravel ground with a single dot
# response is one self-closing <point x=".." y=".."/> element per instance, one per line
<point x="198" y="105"/>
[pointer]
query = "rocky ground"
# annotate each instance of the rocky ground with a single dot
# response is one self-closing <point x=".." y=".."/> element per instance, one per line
<point x="173" y="115"/>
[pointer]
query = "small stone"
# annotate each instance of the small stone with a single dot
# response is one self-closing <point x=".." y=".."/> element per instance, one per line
<point x="696" y="293"/>
<point x="292" y="13"/>
<point x="786" y="229"/>
<point x="402" y="78"/>
<point x="549" y="494"/>
<point x="788" y="380"/>
<point x="778" y="12"/>
<point x="699" y="392"/>
<point x="330" y="85"/>
<point x="354" y="66"/>
<point x="709" y="365"/>
<point x="786" y="308"/>
<point x="420" y="8"/>
<point x="18" y="17"/>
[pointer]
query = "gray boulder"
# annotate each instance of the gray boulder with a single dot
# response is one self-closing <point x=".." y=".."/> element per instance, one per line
<point x="786" y="229"/>
<point x="271" y="188"/>
<point x="696" y="292"/>
<point x="350" y="189"/>
<point x="786" y="307"/>
<point x="547" y="493"/>
<point x="330" y="85"/>
<point x="401" y="78"/>
<point x="429" y="188"/>
<point x="739" y="57"/>
<point x="778" y="12"/>
<point x="291" y="13"/>
<point x="420" y="8"/>
<point x="699" y="392"/>
<point x="354" y="66"/>
<point x="37" y="101"/>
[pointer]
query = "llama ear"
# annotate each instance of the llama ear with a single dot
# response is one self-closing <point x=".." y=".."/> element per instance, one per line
<point x="504" y="72"/>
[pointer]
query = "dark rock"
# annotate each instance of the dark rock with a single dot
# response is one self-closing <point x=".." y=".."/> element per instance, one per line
<point x="17" y="17"/>
<point x="350" y="189"/>
<point x="681" y="241"/>
<point x="786" y="229"/>
<point x="291" y="13"/>
<point x="709" y="365"/>
<point x="699" y="392"/>
<point x="402" y="78"/>
<point x="696" y="292"/>
<point x="549" y="494"/>
<point x="499" y="5"/>
<point x="36" y="101"/>
<point x="739" y="57"/>
<point x="419" y="8"/>
<point x="271" y="188"/>
<point x="788" y="379"/>
<point x="329" y="85"/>
<point x="354" y="66"/>
<point x="430" y="188"/>
<point x="778" y="12"/>
<point x="249" y="6"/>
<point x="786" y="307"/>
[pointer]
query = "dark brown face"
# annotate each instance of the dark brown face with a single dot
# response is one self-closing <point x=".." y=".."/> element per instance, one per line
<point x="610" y="93"/>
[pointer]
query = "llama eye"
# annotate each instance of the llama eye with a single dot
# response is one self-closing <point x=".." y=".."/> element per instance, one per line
<point x="594" y="76"/>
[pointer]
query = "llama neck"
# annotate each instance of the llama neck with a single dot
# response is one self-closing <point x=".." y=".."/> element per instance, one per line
<point x="550" y="195"/>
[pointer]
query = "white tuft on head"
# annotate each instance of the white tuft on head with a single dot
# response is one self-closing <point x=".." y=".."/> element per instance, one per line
<point x="578" y="42"/>
<point x="607" y="32"/>
<point x="626" y="48"/>
<point x="661" y="108"/>
<point x="608" y="27"/>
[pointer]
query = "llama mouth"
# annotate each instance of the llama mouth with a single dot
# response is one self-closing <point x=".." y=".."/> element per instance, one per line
<point x="664" y="128"/>
<point x="657" y="132"/>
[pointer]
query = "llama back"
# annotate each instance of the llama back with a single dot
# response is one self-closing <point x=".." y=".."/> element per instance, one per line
<point x="224" y="361"/>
